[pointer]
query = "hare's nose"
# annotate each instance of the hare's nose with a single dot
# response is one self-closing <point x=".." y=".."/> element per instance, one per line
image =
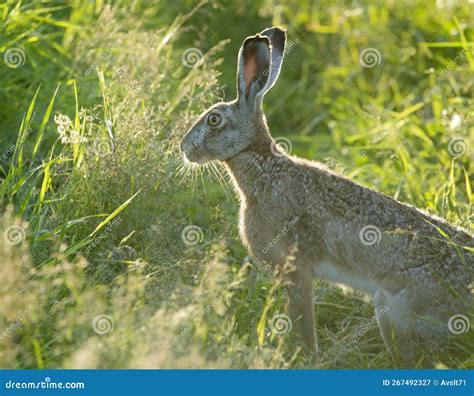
<point x="183" y="144"/>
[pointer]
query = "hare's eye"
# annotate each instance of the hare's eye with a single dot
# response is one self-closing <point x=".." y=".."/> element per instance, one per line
<point x="214" y="119"/>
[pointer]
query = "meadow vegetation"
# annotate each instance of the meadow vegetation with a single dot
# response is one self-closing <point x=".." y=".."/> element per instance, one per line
<point x="114" y="254"/>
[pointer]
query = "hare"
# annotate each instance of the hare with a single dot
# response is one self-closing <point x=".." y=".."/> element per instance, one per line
<point x="415" y="266"/>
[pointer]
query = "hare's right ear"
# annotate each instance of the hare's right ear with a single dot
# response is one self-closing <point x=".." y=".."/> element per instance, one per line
<point x="277" y="39"/>
<point x="253" y="70"/>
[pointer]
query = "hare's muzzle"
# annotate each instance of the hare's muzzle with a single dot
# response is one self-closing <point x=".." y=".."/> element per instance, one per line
<point x="190" y="150"/>
<point x="185" y="148"/>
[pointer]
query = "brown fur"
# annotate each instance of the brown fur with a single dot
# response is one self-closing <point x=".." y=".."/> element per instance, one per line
<point x="294" y="207"/>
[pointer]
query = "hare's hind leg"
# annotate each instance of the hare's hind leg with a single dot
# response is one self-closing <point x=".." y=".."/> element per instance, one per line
<point x="393" y="316"/>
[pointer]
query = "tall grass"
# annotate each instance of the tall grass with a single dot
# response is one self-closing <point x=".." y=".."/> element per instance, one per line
<point x="94" y="192"/>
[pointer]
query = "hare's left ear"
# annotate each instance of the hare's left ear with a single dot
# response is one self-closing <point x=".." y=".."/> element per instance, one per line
<point x="259" y="64"/>
<point x="253" y="69"/>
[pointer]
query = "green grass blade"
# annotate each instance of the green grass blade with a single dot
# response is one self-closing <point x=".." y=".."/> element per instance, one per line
<point x="114" y="214"/>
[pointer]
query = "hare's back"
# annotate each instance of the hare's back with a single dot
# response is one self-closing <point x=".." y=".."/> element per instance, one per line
<point x="392" y="237"/>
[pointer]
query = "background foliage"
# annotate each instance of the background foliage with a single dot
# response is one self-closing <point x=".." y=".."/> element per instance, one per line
<point x="92" y="184"/>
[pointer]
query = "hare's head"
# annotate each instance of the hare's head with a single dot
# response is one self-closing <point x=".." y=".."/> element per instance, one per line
<point x="226" y="129"/>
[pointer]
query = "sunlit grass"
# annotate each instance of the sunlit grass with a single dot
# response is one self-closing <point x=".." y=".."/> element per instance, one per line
<point x="103" y="215"/>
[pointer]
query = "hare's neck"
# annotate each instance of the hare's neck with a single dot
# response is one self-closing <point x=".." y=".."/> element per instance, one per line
<point x="250" y="172"/>
<point x="251" y="169"/>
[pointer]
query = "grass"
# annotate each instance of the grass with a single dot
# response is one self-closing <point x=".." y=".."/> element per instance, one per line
<point x="94" y="191"/>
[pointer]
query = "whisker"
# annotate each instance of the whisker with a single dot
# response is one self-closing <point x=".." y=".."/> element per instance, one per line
<point x="201" y="172"/>
<point x="194" y="176"/>
<point x="221" y="180"/>
<point x="184" y="169"/>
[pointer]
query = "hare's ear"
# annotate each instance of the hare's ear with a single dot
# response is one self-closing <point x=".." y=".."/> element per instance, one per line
<point x="253" y="69"/>
<point x="277" y="39"/>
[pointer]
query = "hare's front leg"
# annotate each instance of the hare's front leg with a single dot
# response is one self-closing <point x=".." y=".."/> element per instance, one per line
<point x="302" y="305"/>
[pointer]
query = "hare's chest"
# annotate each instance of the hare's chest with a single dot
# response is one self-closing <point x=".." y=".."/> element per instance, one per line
<point x="269" y="234"/>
